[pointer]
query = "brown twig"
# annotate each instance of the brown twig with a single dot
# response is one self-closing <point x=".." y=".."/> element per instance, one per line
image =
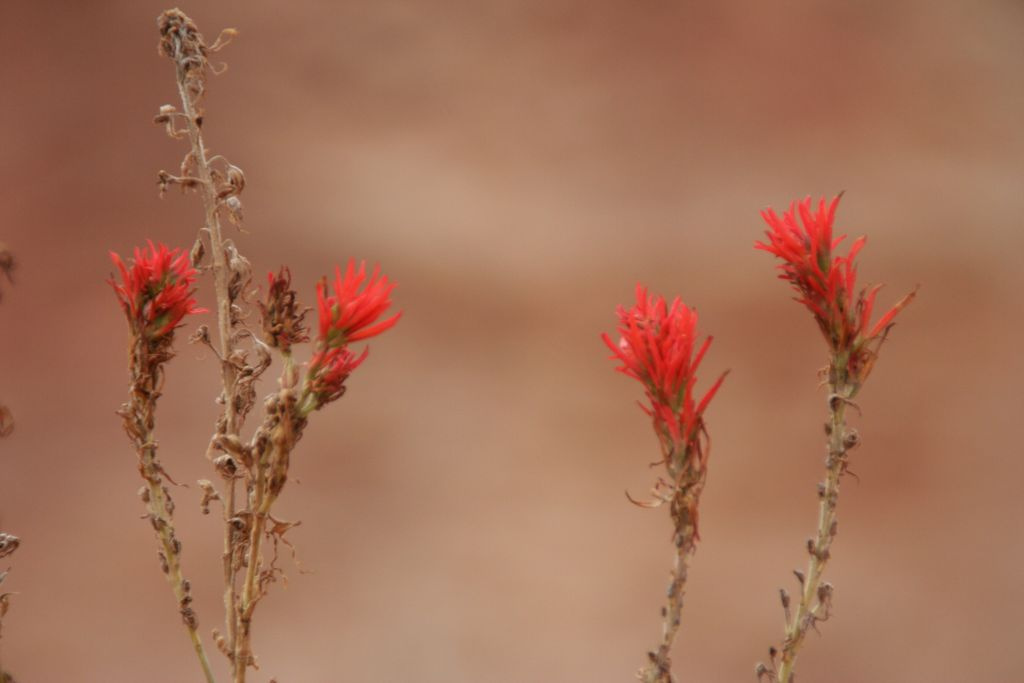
<point x="146" y="371"/>
<point x="271" y="448"/>
<point x="350" y="315"/>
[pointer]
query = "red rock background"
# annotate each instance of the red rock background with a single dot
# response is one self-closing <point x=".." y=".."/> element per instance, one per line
<point x="518" y="167"/>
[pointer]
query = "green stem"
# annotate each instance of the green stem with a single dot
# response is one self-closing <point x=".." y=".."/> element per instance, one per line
<point x="811" y="606"/>
<point x="689" y="485"/>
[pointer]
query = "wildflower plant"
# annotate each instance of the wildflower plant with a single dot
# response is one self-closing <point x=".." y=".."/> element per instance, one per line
<point x="658" y="346"/>
<point x="826" y="283"/>
<point x="156" y="290"/>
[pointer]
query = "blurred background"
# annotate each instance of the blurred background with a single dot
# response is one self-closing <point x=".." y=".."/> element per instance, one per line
<point x="518" y="167"/>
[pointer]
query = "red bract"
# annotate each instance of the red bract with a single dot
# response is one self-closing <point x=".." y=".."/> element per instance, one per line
<point x="350" y="315"/>
<point x="658" y="347"/>
<point x="347" y="316"/>
<point x="156" y="290"/>
<point x="826" y="283"/>
<point x="328" y="370"/>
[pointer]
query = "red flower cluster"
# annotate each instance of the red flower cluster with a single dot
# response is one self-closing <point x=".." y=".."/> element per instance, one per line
<point x="827" y="283"/>
<point x="656" y="347"/>
<point x="347" y="316"/>
<point x="156" y="290"/>
<point x="350" y="315"/>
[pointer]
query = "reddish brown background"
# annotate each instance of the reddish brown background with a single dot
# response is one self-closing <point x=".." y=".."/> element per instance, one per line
<point x="517" y="167"/>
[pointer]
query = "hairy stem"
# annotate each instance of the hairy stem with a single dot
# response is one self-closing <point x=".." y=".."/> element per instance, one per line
<point x="659" y="667"/>
<point x="814" y="601"/>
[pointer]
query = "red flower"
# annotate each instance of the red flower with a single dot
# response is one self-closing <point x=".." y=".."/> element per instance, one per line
<point x="656" y="347"/>
<point x="156" y="290"/>
<point x="350" y="315"/>
<point x="328" y="370"/>
<point x="827" y="283"/>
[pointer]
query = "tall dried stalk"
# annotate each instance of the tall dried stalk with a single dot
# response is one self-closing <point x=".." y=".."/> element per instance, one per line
<point x="260" y="464"/>
<point x="183" y="44"/>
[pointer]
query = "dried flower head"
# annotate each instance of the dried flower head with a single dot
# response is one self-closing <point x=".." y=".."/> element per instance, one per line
<point x="283" y="316"/>
<point x="658" y="347"/>
<point x="155" y="290"/>
<point x="828" y="284"/>
<point x="347" y="316"/>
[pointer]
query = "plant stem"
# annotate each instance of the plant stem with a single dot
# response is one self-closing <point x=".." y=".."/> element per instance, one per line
<point x="813" y="603"/>
<point x="229" y="562"/>
<point x="260" y="505"/>
<point x="221" y="277"/>
<point x="658" y="670"/>
<point x="659" y="667"/>
<point x="160" y="515"/>
<point x="139" y="422"/>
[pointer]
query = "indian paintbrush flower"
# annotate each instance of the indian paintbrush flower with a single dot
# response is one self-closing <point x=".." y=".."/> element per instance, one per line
<point x="155" y="290"/>
<point x="347" y="316"/>
<point x="350" y="315"/>
<point x="827" y="285"/>
<point x="656" y="347"/>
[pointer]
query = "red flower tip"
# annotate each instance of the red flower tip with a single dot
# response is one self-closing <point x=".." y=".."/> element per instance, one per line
<point x="350" y="314"/>
<point x="658" y="347"/>
<point x="827" y="284"/>
<point x="155" y="289"/>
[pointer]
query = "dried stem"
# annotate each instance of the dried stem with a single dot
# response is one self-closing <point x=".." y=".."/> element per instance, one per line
<point x="262" y="463"/>
<point x="182" y="42"/>
<point x="250" y="585"/>
<point x="815" y="596"/>
<point x="271" y="448"/>
<point x="148" y="358"/>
